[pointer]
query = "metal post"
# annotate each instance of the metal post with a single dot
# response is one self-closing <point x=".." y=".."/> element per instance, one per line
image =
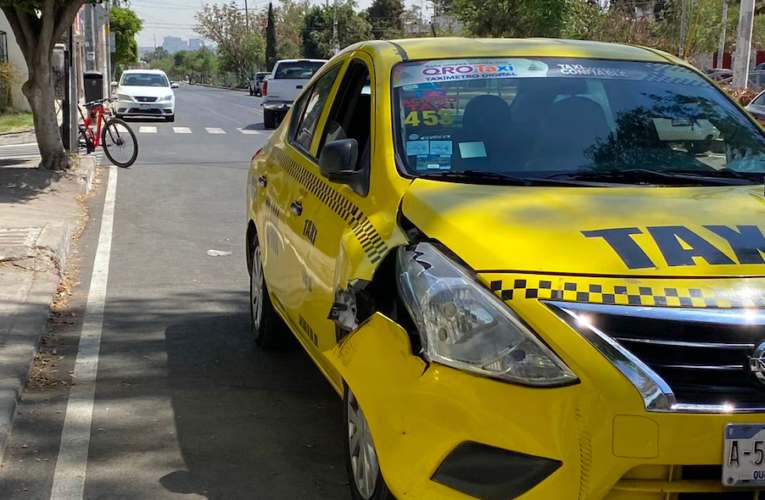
<point x="246" y="15"/>
<point x="683" y="15"/>
<point x="335" y="41"/>
<point x="743" y="45"/>
<point x="71" y="117"/>
<point x="721" y="50"/>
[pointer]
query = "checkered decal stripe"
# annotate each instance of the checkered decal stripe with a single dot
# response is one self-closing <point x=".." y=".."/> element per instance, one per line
<point x="370" y="240"/>
<point x="629" y="294"/>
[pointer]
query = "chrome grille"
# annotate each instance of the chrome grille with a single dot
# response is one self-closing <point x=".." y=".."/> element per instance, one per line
<point x="698" y="358"/>
<point x="146" y="99"/>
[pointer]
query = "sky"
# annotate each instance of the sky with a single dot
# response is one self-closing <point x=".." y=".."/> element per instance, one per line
<point x="176" y="17"/>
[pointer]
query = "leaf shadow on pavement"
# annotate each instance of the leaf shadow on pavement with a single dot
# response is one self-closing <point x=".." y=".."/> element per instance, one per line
<point x="20" y="185"/>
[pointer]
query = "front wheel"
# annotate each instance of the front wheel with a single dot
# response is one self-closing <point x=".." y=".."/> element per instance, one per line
<point x="120" y="144"/>
<point x="364" y="475"/>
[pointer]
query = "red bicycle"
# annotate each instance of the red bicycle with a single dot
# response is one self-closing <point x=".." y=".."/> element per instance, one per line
<point x="117" y="138"/>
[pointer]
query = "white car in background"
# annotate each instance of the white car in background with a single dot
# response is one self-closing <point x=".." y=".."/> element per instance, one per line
<point x="145" y="92"/>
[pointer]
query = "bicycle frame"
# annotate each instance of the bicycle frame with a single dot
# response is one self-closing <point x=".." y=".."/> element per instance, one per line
<point x="97" y="112"/>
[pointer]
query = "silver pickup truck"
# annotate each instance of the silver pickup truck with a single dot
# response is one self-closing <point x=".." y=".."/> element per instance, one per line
<point x="287" y="80"/>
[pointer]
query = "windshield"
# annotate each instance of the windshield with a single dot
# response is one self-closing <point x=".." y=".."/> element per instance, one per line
<point x="144" y="80"/>
<point x="543" y="117"/>
<point x="300" y="70"/>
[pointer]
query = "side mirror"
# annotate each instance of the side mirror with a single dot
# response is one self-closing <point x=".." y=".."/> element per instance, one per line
<point x="115" y="84"/>
<point x="174" y="85"/>
<point x="337" y="162"/>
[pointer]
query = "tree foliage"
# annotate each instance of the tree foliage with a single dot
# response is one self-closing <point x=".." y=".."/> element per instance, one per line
<point x="125" y="24"/>
<point x="317" y="36"/>
<point x="513" y="18"/>
<point x="201" y="65"/>
<point x="270" y="38"/>
<point x="240" y="50"/>
<point x="386" y="18"/>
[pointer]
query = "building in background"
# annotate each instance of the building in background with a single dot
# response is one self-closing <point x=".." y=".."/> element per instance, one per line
<point x="11" y="53"/>
<point x="195" y="44"/>
<point x="172" y="44"/>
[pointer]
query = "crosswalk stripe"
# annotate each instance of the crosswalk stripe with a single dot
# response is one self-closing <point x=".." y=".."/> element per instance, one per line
<point x="148" y="130"/>
<point x="248" y="132"/>
<point x="182" y="130"/>
<point x="215" y="130"/>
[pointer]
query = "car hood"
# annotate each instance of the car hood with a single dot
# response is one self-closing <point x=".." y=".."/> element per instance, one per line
<point x="622" y="231"/>
<point x="145" y="91"/>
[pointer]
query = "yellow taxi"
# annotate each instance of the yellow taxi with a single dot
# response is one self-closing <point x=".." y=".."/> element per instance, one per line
<point x="532" y="269"/>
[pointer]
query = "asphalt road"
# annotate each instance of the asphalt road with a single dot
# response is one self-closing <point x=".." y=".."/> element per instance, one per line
<point x="184" y="407"/>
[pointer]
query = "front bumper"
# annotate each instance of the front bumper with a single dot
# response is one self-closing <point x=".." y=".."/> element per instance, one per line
<point x="608" y="445"/>
<point x="132" y="108"/>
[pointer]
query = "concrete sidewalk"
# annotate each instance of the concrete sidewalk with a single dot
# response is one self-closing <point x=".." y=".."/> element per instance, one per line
<point x="39" y="214"/>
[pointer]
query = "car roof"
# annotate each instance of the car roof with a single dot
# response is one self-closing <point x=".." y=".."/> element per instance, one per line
<point x="145" y="71"/>
<point x="300" y="60"/>
<point x="455" y="47"/>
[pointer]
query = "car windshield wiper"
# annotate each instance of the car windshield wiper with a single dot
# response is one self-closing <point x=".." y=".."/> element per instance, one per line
<point x="468" y="176"/>
<point x="647" y="176"/>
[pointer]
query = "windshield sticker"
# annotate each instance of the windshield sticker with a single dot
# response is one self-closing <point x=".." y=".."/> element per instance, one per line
<point x="414" y="148"/>
<point x="582" y="70"/>
<point x="432" y="101"/>
<point x="413" y="137"/>
<point x="421" y="79"/>
<point x="434" y="162"/>
<point x="429" y="118"/>
<point x="441" y="148"/>
<point x="406" y="75"/>
<point x="472" y="150"/>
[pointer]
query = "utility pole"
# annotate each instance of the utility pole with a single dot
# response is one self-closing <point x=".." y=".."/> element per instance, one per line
<point x="743" y="45"/>
<point x="721" y="51"/>
<point x="335" y="41"/>
<point x="246" y="15"/>
<point x="683" y="15"/>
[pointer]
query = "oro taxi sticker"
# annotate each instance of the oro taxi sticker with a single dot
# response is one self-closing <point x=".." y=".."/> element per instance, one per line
<point x="407" y="75"/>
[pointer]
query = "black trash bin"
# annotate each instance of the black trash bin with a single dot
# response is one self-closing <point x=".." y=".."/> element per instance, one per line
<point x="94" y="86"/>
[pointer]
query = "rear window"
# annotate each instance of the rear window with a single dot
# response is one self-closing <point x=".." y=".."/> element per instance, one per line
<point x="144" y="80"/>
<point x="539" y="117"/>
<point x="299" y="70"/>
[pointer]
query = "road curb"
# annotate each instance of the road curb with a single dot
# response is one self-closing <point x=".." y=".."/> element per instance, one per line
<point x="17" y="351"/>
<point x="13" y="138"/>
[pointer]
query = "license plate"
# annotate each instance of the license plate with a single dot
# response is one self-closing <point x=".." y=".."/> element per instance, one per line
<point x="144" y="106"/>
<point x="744" y="456"/>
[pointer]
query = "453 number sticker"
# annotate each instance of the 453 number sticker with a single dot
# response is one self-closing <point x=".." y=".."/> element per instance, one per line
<point x="429" y="118"/>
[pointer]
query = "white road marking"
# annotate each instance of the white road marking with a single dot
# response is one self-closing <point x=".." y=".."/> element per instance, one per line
<point x="71" y="465"/>
<point x="148" y="130"/>
<point x="19" y="145"/>
<point x="213" y="130"/>
<point x="249" y="132"/>
<point x="182" y="130"/>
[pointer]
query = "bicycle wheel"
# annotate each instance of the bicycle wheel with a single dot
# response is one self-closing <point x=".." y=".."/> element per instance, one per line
<point x="120" y="144"/>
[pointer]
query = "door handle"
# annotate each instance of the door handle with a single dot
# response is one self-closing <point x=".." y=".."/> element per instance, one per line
<point x="297" y="208"/>
<point x="263" y="181"/>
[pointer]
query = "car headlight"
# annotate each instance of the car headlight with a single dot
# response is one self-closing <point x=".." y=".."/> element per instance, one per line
<point x="167" y="98"/>
<point x="124" y="97"/>
<point x="463" y="325"/>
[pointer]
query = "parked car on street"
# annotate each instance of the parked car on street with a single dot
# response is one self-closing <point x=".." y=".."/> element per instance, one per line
<point x="145" y="92"/>
<point x="757" y="107"/>
<point x="286" y="82"/>
<point x="547" y="283"/>
<point x="256" y="84"/>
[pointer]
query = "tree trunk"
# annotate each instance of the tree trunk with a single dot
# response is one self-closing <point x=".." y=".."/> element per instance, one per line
<point x="41" y="95"/>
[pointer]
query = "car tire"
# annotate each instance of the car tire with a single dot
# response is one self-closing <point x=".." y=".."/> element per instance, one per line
<point x="360" y="452"/>
<point x="269" y="330"/>
<point x="269" y="119"/>
<point x="170" y="118"/>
